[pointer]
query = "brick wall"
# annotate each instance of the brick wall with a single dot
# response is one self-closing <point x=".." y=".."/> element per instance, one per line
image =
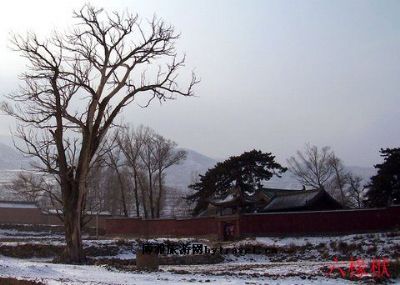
<point x="291" y="223"/>
<point x="206" y="226"/>
<point x="35" y="216"/>
<point x="344" y="221"/>
<point x="21" y="216"/>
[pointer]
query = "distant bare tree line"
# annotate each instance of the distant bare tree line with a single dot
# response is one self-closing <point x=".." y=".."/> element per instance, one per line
<point x="138" y="159"/>
<point x="127" y="179"/>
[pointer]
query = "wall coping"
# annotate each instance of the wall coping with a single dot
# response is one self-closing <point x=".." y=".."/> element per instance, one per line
<point x="161" y="219"/>
<point x="325" y="211"/>
<point x="217" y="217"/>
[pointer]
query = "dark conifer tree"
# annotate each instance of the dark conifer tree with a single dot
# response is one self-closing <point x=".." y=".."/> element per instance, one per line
<point x="384" y="188"/>
<point x="247" y="172"/>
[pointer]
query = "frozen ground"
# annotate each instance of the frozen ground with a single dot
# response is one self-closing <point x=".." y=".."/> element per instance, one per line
<point x="27" y="254"/>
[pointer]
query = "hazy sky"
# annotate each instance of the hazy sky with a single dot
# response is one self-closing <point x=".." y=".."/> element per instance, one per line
<point x="275" y="74"/>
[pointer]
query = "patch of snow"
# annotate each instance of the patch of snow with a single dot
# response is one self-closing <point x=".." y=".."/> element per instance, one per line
<point x="124" y="255"/>
<point x="87" y="274"/>
<point x="226" y="199"/>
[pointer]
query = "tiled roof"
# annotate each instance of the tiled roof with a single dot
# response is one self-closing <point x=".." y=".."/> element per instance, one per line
<point x="298" y="199"/>
<point x="233" y="196"/>
<point x="17" y="204"/>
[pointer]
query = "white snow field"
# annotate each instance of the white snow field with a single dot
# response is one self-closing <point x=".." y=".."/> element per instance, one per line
<point x="24" y="254"/>
<point x="49" y="273"/>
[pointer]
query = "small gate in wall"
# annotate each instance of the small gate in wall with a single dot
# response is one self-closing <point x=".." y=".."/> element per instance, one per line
<point x="228" y="227"/>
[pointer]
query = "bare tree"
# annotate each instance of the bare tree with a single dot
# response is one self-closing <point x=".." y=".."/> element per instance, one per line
<point x="150" y="167"/>
<point x="130" y="141"/>
<point x="313" y="166"/>
<point x="74" y="88"/>
<point x="148" y="155"/>
<point x="40" y="189"/>
<point x="321" y="168"/>
<point x="165" y="155"/>
<point x="144" y="192"/>
<point x="114" y="162"/>
<point x="182" y="207"/>
<point x="355" y="190"/>
<point x="46" y="193"/>
<point x="96" y="197"/>
<point x="340" y="177"/>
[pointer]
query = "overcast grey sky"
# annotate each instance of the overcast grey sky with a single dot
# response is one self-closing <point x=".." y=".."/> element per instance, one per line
<point x="275" y="74"/>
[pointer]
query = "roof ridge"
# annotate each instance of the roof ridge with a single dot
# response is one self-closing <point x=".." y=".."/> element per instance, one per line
<point x="300" y="192"/>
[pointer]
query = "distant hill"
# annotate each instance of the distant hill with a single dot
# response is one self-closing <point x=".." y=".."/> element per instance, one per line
<point x="178" y="176"/>
<point x="187" y="171"/>
<point x="10" y="158"/>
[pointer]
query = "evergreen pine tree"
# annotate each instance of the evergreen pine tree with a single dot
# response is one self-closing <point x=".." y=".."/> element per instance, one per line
<point x="384" y="188"/>
<point x="247" y="172"/>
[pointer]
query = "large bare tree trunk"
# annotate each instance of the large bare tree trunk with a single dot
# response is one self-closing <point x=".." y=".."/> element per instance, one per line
<point x="73" y="189"/>
<point x="72" y="225"/>
<point x="74" y="249"/>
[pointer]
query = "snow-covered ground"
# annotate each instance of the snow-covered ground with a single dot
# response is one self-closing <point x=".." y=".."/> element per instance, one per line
<point x="50" y="273"/>
<point x="289" y="260"/>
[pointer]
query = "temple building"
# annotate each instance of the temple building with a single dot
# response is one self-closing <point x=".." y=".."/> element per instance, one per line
<point x="271" y="200"/>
